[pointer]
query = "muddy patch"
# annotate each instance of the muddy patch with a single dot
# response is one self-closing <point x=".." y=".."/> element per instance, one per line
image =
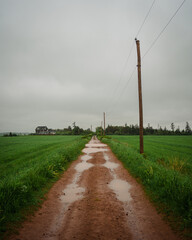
<point x="99" y="159"/>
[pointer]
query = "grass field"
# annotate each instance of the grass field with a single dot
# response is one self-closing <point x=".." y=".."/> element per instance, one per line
<point x="170" y="151"/>
<point x="28" y="165"/>
<point x="165" y="170"/>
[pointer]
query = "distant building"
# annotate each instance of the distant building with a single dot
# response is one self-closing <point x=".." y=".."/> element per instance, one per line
<point x="43" y="130"/>
<point x="51" y="131"/>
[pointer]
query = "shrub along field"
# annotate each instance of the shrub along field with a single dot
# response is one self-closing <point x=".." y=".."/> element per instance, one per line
<point x="28" y="166"/>
<point x="165" y="170"/>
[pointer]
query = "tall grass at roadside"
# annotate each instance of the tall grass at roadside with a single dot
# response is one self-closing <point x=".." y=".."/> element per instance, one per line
<point x="167" y="185"/>
<point x="27" y="166"/>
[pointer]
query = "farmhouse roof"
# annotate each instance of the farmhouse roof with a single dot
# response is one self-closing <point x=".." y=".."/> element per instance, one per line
<point x="41" y="127"/>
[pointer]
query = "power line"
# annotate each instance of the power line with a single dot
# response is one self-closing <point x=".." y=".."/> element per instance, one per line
<point x="153" y="43"/>
<point x="124" y="67"/>
<point x="129" y="55"/>
<point x="127" y="60"/>
<point x="145" y="18"/>
<point x="123" y="91"/>
<point x="161" y="32"/>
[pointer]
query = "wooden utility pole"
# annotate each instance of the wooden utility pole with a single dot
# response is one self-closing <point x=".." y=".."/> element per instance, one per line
<point x="140" y="96"/>
<point x="104" y="123"/>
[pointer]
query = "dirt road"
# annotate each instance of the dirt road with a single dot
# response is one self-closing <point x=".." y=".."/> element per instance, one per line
<point x="96" y="199"/>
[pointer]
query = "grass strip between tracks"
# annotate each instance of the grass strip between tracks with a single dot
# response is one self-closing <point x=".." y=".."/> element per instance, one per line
<point x="26" y="179"/>
<point x="169" y="189"/>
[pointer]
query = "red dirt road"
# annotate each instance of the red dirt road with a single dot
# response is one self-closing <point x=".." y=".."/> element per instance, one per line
<point x="96" y="198"/>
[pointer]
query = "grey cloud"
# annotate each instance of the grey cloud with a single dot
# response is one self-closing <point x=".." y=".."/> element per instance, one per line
<point x="62" y="61"/>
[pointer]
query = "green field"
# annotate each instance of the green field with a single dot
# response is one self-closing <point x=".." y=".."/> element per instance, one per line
<point x="28" y="165"/>
<point x="165" y="170"/>
<point x="170" y="151"/>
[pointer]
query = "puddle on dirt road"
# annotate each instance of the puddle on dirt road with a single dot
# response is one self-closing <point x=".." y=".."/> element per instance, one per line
<point x="94" y="150"/>
<point x="121" y="188"/>
<point x="95" y="145"/>
<point x="106" y="157"/>
<point x="69" y="195"/>
<point x="108" y="164"/>
<point x="86" y="157"/>
<point x="72" y="192"/>
<point x="83" y="166"/>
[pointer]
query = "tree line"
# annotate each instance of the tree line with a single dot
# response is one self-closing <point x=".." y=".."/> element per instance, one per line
<point x="74" y="130"/>
<point x="149" y="130"/>
<point x="120" y="130"/>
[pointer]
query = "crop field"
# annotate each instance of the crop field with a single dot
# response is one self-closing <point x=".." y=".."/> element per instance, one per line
<point x="170" y="151"/>
<point x="165" y="170"/>
<point x="28" y="164"/>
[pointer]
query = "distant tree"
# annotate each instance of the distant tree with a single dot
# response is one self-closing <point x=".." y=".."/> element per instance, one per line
<point x="165" y="131"/>
<point x="99" y="130"/>
<point x="172" y="127"/>
<point x="69" y="128"/>
<point x="187" y="129"/>
<point x="148" y="130"/>
<point x="76" y="130"/>
<point x="87" y="131"/>
<point x="177" y="131"/>
<point x="160" y="131"/>
<point x="10" y="135"/>
<point x="183" y="132"/>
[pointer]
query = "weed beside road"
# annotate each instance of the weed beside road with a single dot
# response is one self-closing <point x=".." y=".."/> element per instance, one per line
<point x="164" y="170"/>
<point x="27" y="167"/>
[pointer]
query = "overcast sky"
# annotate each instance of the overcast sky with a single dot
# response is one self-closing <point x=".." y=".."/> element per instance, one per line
<point x="65" y="61"/>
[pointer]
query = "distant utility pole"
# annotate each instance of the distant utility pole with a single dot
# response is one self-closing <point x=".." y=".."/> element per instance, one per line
<point x="101" y="128"/>
<point x="91" y="128"/>
<point x="104" y="122"/>
<point x="140" y="96"/>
